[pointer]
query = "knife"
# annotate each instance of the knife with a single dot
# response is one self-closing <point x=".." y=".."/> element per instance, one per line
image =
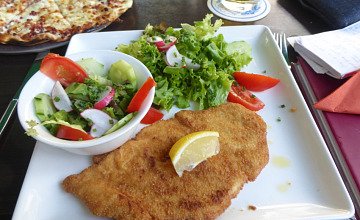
<point x="13" y="103"/>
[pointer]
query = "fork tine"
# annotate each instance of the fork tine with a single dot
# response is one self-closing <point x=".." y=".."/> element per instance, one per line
<point x="284" y="48"/>
<point x="278" y="41"/>
<point x="275" y="37"/>
<point x="282" y="44"/>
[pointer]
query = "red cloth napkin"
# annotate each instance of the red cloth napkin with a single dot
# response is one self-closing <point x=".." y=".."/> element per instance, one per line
<point x="345" y="99"/>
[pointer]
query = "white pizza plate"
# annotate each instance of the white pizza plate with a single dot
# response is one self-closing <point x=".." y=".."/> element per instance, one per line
<point x="301" y="180"/>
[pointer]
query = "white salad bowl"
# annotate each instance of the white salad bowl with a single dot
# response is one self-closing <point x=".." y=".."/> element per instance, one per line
<point x="40" y="83"/>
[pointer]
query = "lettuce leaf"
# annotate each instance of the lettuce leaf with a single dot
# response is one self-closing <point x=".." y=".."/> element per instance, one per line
<point x="204" y="29"/>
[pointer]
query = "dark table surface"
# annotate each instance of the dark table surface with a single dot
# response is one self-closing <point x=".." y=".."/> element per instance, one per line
<point x="286" y="16"/>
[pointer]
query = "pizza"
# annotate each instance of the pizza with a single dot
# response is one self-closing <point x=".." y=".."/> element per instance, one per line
<point x="30" y="22"/>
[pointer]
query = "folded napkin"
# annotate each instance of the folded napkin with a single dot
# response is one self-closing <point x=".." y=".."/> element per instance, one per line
<point x="345" y="99"/>
<point x="337" y="13"/>
<point x="335" y="53"/>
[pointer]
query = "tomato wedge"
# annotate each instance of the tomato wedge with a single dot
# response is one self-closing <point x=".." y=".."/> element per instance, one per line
<point x="153" y="115"/>
<point x="255" y="82"/>
<point x="238" y="94"/>
<point x="140" y="95"/>
<point x="69" y="133"/>
<point x="62" y="69"/>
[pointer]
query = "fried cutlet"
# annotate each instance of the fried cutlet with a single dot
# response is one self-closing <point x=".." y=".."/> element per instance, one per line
<point x="138" y="180"/>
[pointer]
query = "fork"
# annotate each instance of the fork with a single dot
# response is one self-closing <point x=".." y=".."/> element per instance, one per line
<point x="281" y="42"/>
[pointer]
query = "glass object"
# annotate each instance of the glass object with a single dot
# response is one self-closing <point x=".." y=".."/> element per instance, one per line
<point x="240" y="6"/>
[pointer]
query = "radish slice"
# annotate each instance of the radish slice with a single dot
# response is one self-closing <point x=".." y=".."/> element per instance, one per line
<point x="102" y="122"/>
<point x="105" y="98"/>
<point x="160" y="44"/>
<point x="60" y="99"/>
<point x="97" y="131"/>
<point x="165" y="47"/>
<point x="169" y="42"/>
<point x="158" y="41"/>
<point x="174" y="58"/>
<point x="171" y="39"/>
<point x="191" y="65"/>
<point x="154" y="39"/>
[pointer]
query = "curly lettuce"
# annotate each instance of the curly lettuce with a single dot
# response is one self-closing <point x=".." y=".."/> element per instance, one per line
<point x="210" y="84"/>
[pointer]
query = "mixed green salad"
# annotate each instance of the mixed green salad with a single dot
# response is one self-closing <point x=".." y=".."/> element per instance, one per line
<point x="87" y="101"/>
<point x="189" y="64"/>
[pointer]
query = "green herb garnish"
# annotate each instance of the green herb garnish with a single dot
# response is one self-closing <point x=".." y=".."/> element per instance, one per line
<point x="57" y="99"/>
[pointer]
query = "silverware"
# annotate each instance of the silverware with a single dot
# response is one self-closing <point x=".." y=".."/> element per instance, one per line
<point x="13" y="103"/>
<point x="281" y="42"/>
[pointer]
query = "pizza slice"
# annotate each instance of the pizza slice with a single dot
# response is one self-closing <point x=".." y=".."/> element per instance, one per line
<point x="39" y="22"/>
<point x="86" y="14"/>
<point x="9" y="9"/>
<point x="30" y="22"/>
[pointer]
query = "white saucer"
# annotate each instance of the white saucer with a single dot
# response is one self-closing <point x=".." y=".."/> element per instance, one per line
<point x="258" y="12"/>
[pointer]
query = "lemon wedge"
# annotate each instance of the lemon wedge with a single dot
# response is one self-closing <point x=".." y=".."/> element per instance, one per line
<point x="192" y="149"/>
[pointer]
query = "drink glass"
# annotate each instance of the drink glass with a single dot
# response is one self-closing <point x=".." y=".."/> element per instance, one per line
<point x="241" y="6"/>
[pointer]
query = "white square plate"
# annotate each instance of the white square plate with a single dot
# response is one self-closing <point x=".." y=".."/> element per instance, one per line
<point x="301" y="180"/>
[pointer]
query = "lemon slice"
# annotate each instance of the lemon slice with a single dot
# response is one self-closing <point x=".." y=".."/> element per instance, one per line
<point x="194" y="148"/>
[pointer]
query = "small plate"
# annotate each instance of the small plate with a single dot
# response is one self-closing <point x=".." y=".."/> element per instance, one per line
<point x="256" y="13"/>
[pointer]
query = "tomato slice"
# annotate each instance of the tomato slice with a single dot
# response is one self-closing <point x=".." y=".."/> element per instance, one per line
<point x="153" y="115"/>
<point x="69" y="133"/>
<point x="238" y="94"/>
<point x="255" y="82"/>
<point x="62" y="69"/>
<point x="140" y="95"/>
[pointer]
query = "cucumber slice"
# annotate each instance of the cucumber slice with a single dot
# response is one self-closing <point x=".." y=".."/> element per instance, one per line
<point x="92" y="66"/>
<point x="241" y="47"/>
<point x="121" y="72"/>
<point x="120" y="123"/>
<point x="62" y="122"/>
<point x="44" y="106"/>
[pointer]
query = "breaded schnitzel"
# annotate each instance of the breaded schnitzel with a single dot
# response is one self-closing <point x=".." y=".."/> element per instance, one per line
<point x="138" y="180"/>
